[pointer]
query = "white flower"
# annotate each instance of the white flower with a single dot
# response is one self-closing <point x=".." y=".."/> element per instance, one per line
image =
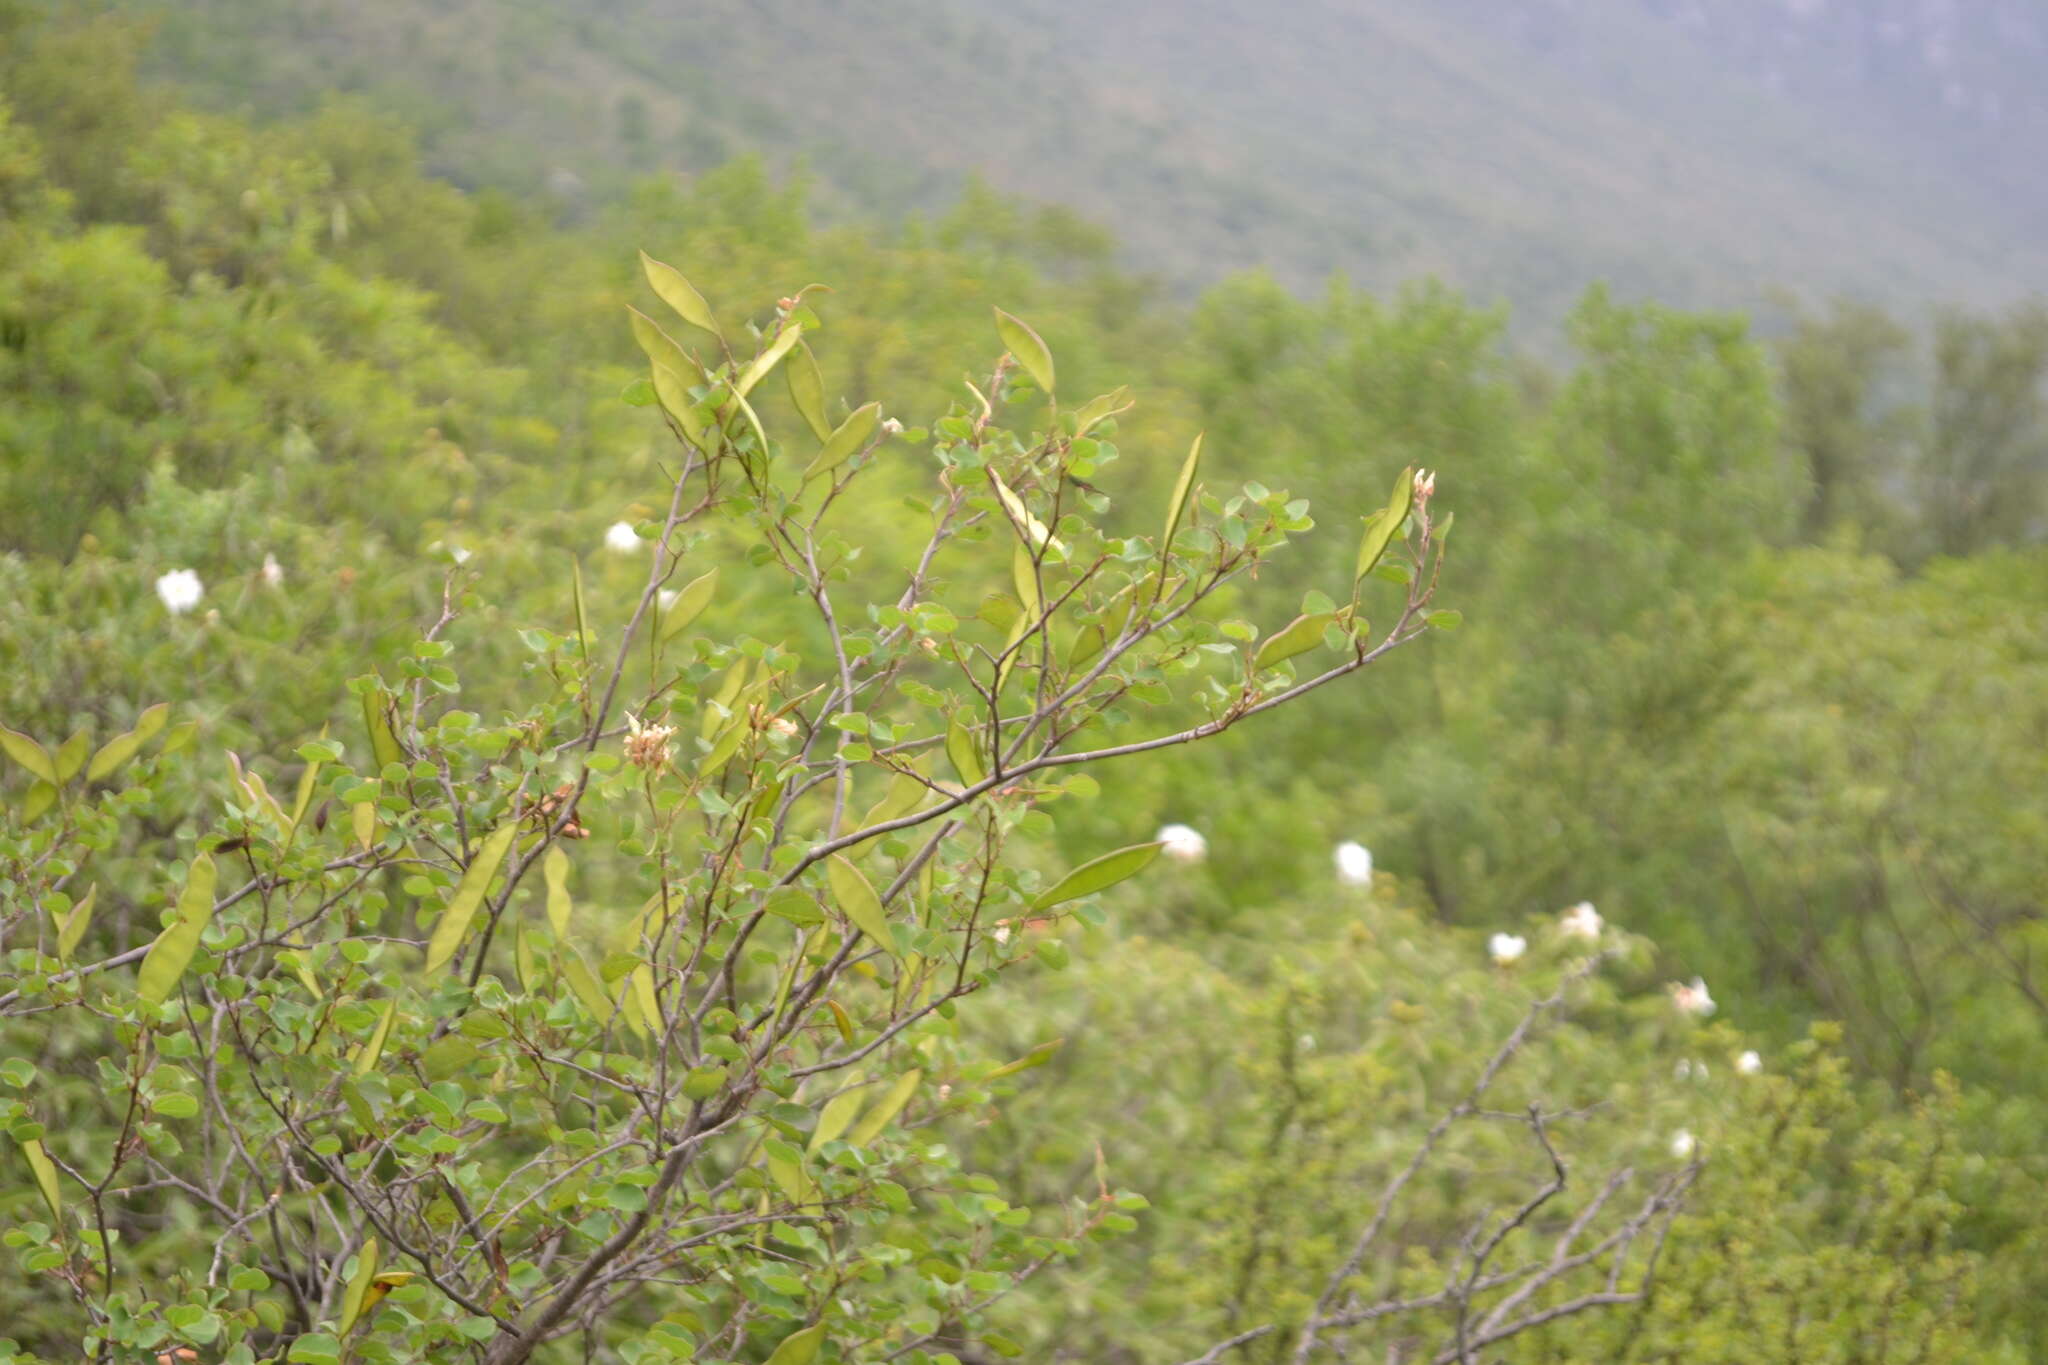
<point x="272" y="572"/>
<point x="1749" y="1063"/>
<point x="1692" y="999"/>
<point x="180" y="590"/>
<point x="1001" y="933"/>
<point x="1682" y="1144"/>
<point x="622" y="538"/>
<point x="1424" y="485"/>
<point x="1507" y="948"/>
<point x="1687" y="1069"/>
<point x="892" y="426"/>
<point x="1182" y="843"/>
<point x="1354" y="864"/>
<point x="1581" y="921"/>
<point x="668" y="597"/>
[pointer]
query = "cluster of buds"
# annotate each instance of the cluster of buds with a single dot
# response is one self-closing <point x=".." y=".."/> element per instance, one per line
<point x="782" y="727"/>
<point x="647" y="745"/>
<point x="1425" y="484"/>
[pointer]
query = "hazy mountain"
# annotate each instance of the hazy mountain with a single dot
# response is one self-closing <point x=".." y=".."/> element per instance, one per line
<point x="1706" y="152"/>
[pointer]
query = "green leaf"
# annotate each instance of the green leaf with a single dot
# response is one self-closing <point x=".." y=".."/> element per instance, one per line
<point x="839" y="1112"/>
<point x="366" y="1056"/>
<point x="691" y="599"/>
<point x="757" y="370"/>
<point x="45" y="1172"/>
<point x="358" y="1287"/>
<point x="1183" y="489"/>
<point x="29" y="754"/>
<point x="1099" y="408"/>
<point x="554" y="870"/>
<point x="793" y="1180"/>
<point x="799" y="1348"/>
<point x="70" y="756"/>
<point x="807" y="391"/>
<point x="38" y="799"/>
<point x="703" y="1082"/>
<point x="383" y="743"/>
<point x="794" y="904"/>
<point x="1038" y="1056"/>
<point x="1024" y="573"/>
<point x="172" y="952"/>
<point x="843" y="444"/>
<point x="905" y="792"/>
<point x="582" y="616"/>
<point x="589" y="990"/>
<point x="964" y="750"/>
<point x="673" y="393"/>
<point x="1446" y="620"/>
<point x="72" y="927"/>
<point x="886" y="1109"/>
<point x="1382" y="526"/>
<point x="1298" y="636"/>
<point x="1035" y="532"/>
<point x="469" y="894"/>
<point x="661" y="348"/>
<point x="857" y="900"/>
<point x="1098" y="873"/>
<point x="679" y="294"/>
<point x="1028" y="347"/>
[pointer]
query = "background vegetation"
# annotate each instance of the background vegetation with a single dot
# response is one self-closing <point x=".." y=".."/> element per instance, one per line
<point x="1754" y="658"/>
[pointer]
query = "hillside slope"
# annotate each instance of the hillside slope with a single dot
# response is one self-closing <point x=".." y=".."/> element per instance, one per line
<point x="1701" y="153"/>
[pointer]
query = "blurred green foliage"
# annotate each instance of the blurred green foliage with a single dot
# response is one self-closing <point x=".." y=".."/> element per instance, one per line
<point x="1755" y="657"/>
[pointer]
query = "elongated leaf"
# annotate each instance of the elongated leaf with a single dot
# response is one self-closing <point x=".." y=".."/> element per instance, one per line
<point x="964" y="749"/>
<point x="1298" y="636"/>
<point x="672" y="391"/>
<point x="886" y="1109"/>
<point x="554" y="870"/>
<point x="1100" y="408"/>
<point x="582" y="615"/>
<point x="1024" y="573"/>
<point x="30" y="755"/>
<point x="794" y="904"/>
<point x="807" y="390"/>
<point x="689" y="604"/>
<point x="70" y="756"/>
<point x="799" y="1348"/>
<point x="679" y="294"/>
<point x="1025" y="344"/>
<point x="662" y="349"/>
<point x="1098" y="873"/>
<point x="45" y="1172"/>
<point x="1034" y="531"/>
<point x="1383" y="526"/>
<point x="363" y="822"/>
<point x="588" y="989"/>
<point x="1038" y="1056"/>
<point x="73" y="926"/>
<point x="121" y="748"/>
<point x="358" y="1287"/>
<point x="841" y="1020"/>
<point x="792" y="1179"/>
<point x="641" y="984"/>
<point x="839" y="1112"/>
<point x="857" y="900"/>
<point x="469" y="894"/>
<point x="172" y="952"/>
<point x="1183" y="489"/>
<point x="842" y="445"/>
<point x="757" y="369"/>
<point x="303" y="796"/>
<point x="905" y="792"/>
<point x="372" y="1048"/>
<point x="39" y="798"/>
<point x="383" y="743"/>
